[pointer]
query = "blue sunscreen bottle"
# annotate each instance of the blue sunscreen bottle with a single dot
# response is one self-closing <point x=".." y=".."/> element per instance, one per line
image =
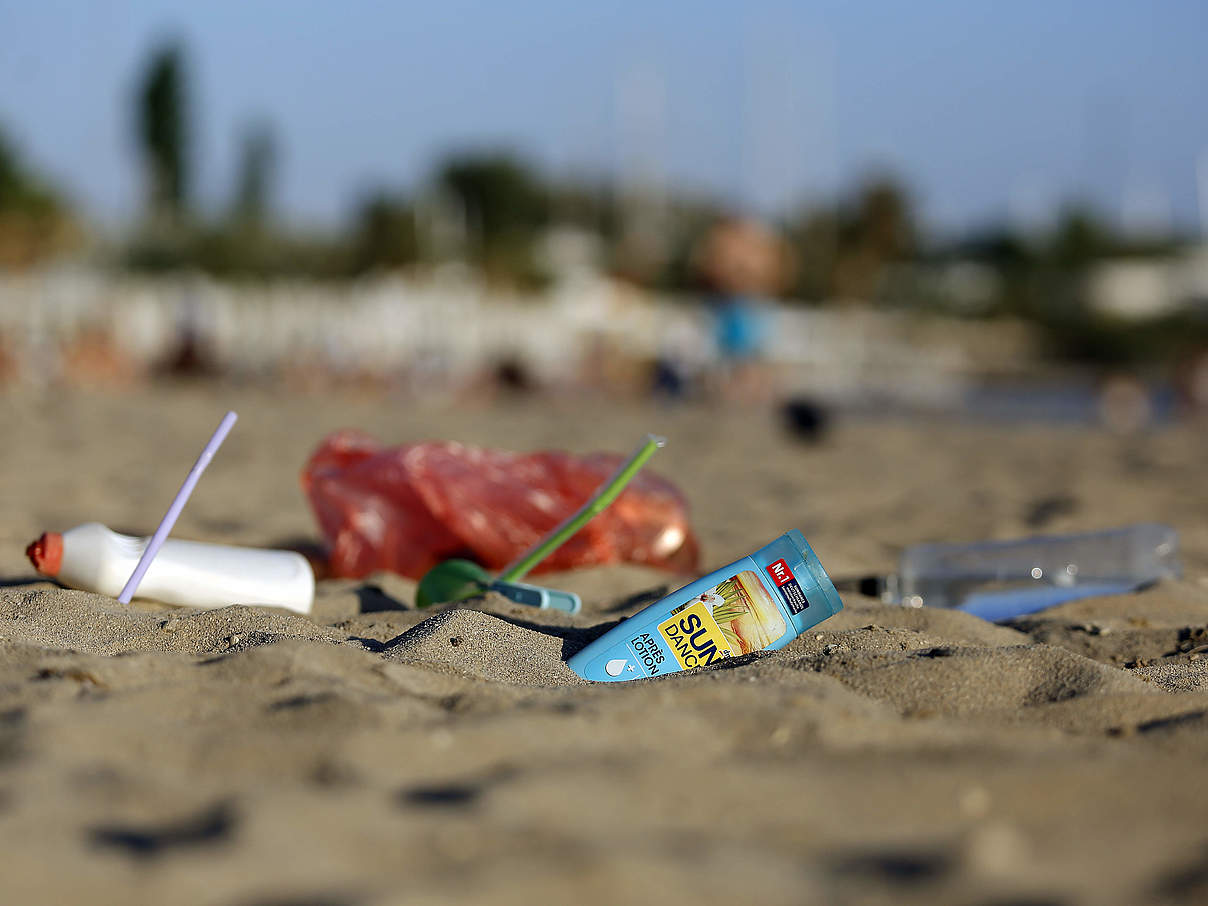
<point x="760" y="602"/>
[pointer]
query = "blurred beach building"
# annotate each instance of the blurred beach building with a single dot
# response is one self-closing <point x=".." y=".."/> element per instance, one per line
<point x="1146" y="288"/>
<point x="443" y="332"/>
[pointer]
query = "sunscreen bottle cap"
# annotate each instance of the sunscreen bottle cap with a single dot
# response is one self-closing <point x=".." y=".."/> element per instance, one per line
<point x="46" y="554"/>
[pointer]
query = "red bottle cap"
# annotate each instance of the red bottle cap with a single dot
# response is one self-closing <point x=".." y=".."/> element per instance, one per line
<point x="46" y="554"/>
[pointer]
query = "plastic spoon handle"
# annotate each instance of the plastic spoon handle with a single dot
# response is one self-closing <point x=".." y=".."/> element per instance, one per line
<point x="178" y="504"/>
<point x="596" y="504"/>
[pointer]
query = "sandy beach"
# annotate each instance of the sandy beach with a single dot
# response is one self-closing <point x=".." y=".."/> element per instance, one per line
<point x="373" y="753"/>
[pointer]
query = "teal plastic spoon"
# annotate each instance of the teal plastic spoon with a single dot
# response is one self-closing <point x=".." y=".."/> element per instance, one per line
<point x="455" y="580"/>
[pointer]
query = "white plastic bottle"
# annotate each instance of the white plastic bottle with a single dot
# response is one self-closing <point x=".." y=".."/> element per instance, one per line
<point x="90" y="557"/>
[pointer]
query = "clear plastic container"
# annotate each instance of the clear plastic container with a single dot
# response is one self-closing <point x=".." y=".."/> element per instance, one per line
<point x="998" y="580"/>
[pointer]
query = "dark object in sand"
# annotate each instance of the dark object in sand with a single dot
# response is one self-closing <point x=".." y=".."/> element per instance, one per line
<point x="513" y="376"/>
<point x="666" y="380"/>
<point x="805" y="419"/>
<point x="190" y="358"/>
<point x="1044" y="510"/>
<point x="214" y="825"/>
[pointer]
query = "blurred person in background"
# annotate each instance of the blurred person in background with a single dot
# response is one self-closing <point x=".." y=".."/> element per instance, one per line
<point x="1191" y="382"/>
<point x="742" y="262"/>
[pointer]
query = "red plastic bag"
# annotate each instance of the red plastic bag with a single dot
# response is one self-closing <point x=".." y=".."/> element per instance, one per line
<point x="407" y="508"/>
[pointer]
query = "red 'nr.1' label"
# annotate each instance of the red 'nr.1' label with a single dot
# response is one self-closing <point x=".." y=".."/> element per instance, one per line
<point x="787" y="585"/>
<point x="780" y="572"/>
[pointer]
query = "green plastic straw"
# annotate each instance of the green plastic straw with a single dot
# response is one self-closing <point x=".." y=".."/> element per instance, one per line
<point x="598" y="503"/>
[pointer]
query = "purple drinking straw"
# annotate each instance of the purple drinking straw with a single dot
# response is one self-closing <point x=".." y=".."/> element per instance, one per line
<point x="178" y="504"/>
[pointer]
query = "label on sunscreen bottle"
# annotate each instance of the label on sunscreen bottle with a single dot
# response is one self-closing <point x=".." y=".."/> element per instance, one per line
<point x="760" y="602"/>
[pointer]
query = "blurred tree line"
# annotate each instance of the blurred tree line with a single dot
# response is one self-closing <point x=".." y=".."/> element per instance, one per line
<point x="493" y="209"/>
<point x="34" y="222"/>
<point x="1042" y="277"/>
<point x="489" y="209"/>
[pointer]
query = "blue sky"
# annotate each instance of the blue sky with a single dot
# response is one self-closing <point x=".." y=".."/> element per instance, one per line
<point x="988" y="110"/>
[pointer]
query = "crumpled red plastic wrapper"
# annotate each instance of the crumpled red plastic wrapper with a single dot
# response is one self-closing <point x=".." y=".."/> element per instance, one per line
<point x="407" y="508"/>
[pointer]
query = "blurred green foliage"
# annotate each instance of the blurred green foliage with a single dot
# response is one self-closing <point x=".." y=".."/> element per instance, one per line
<point x="1043" y="279"/>
<point x="385" y="234"/>
<point x="492" y="209"/>
<point x="34" y="222"/>
<point x="848" y="251"/>
<point x="256" y="177"/>
<point x="502" y="205"/>
<point x="20" y="191"/>
<point x="163" y="131"/>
